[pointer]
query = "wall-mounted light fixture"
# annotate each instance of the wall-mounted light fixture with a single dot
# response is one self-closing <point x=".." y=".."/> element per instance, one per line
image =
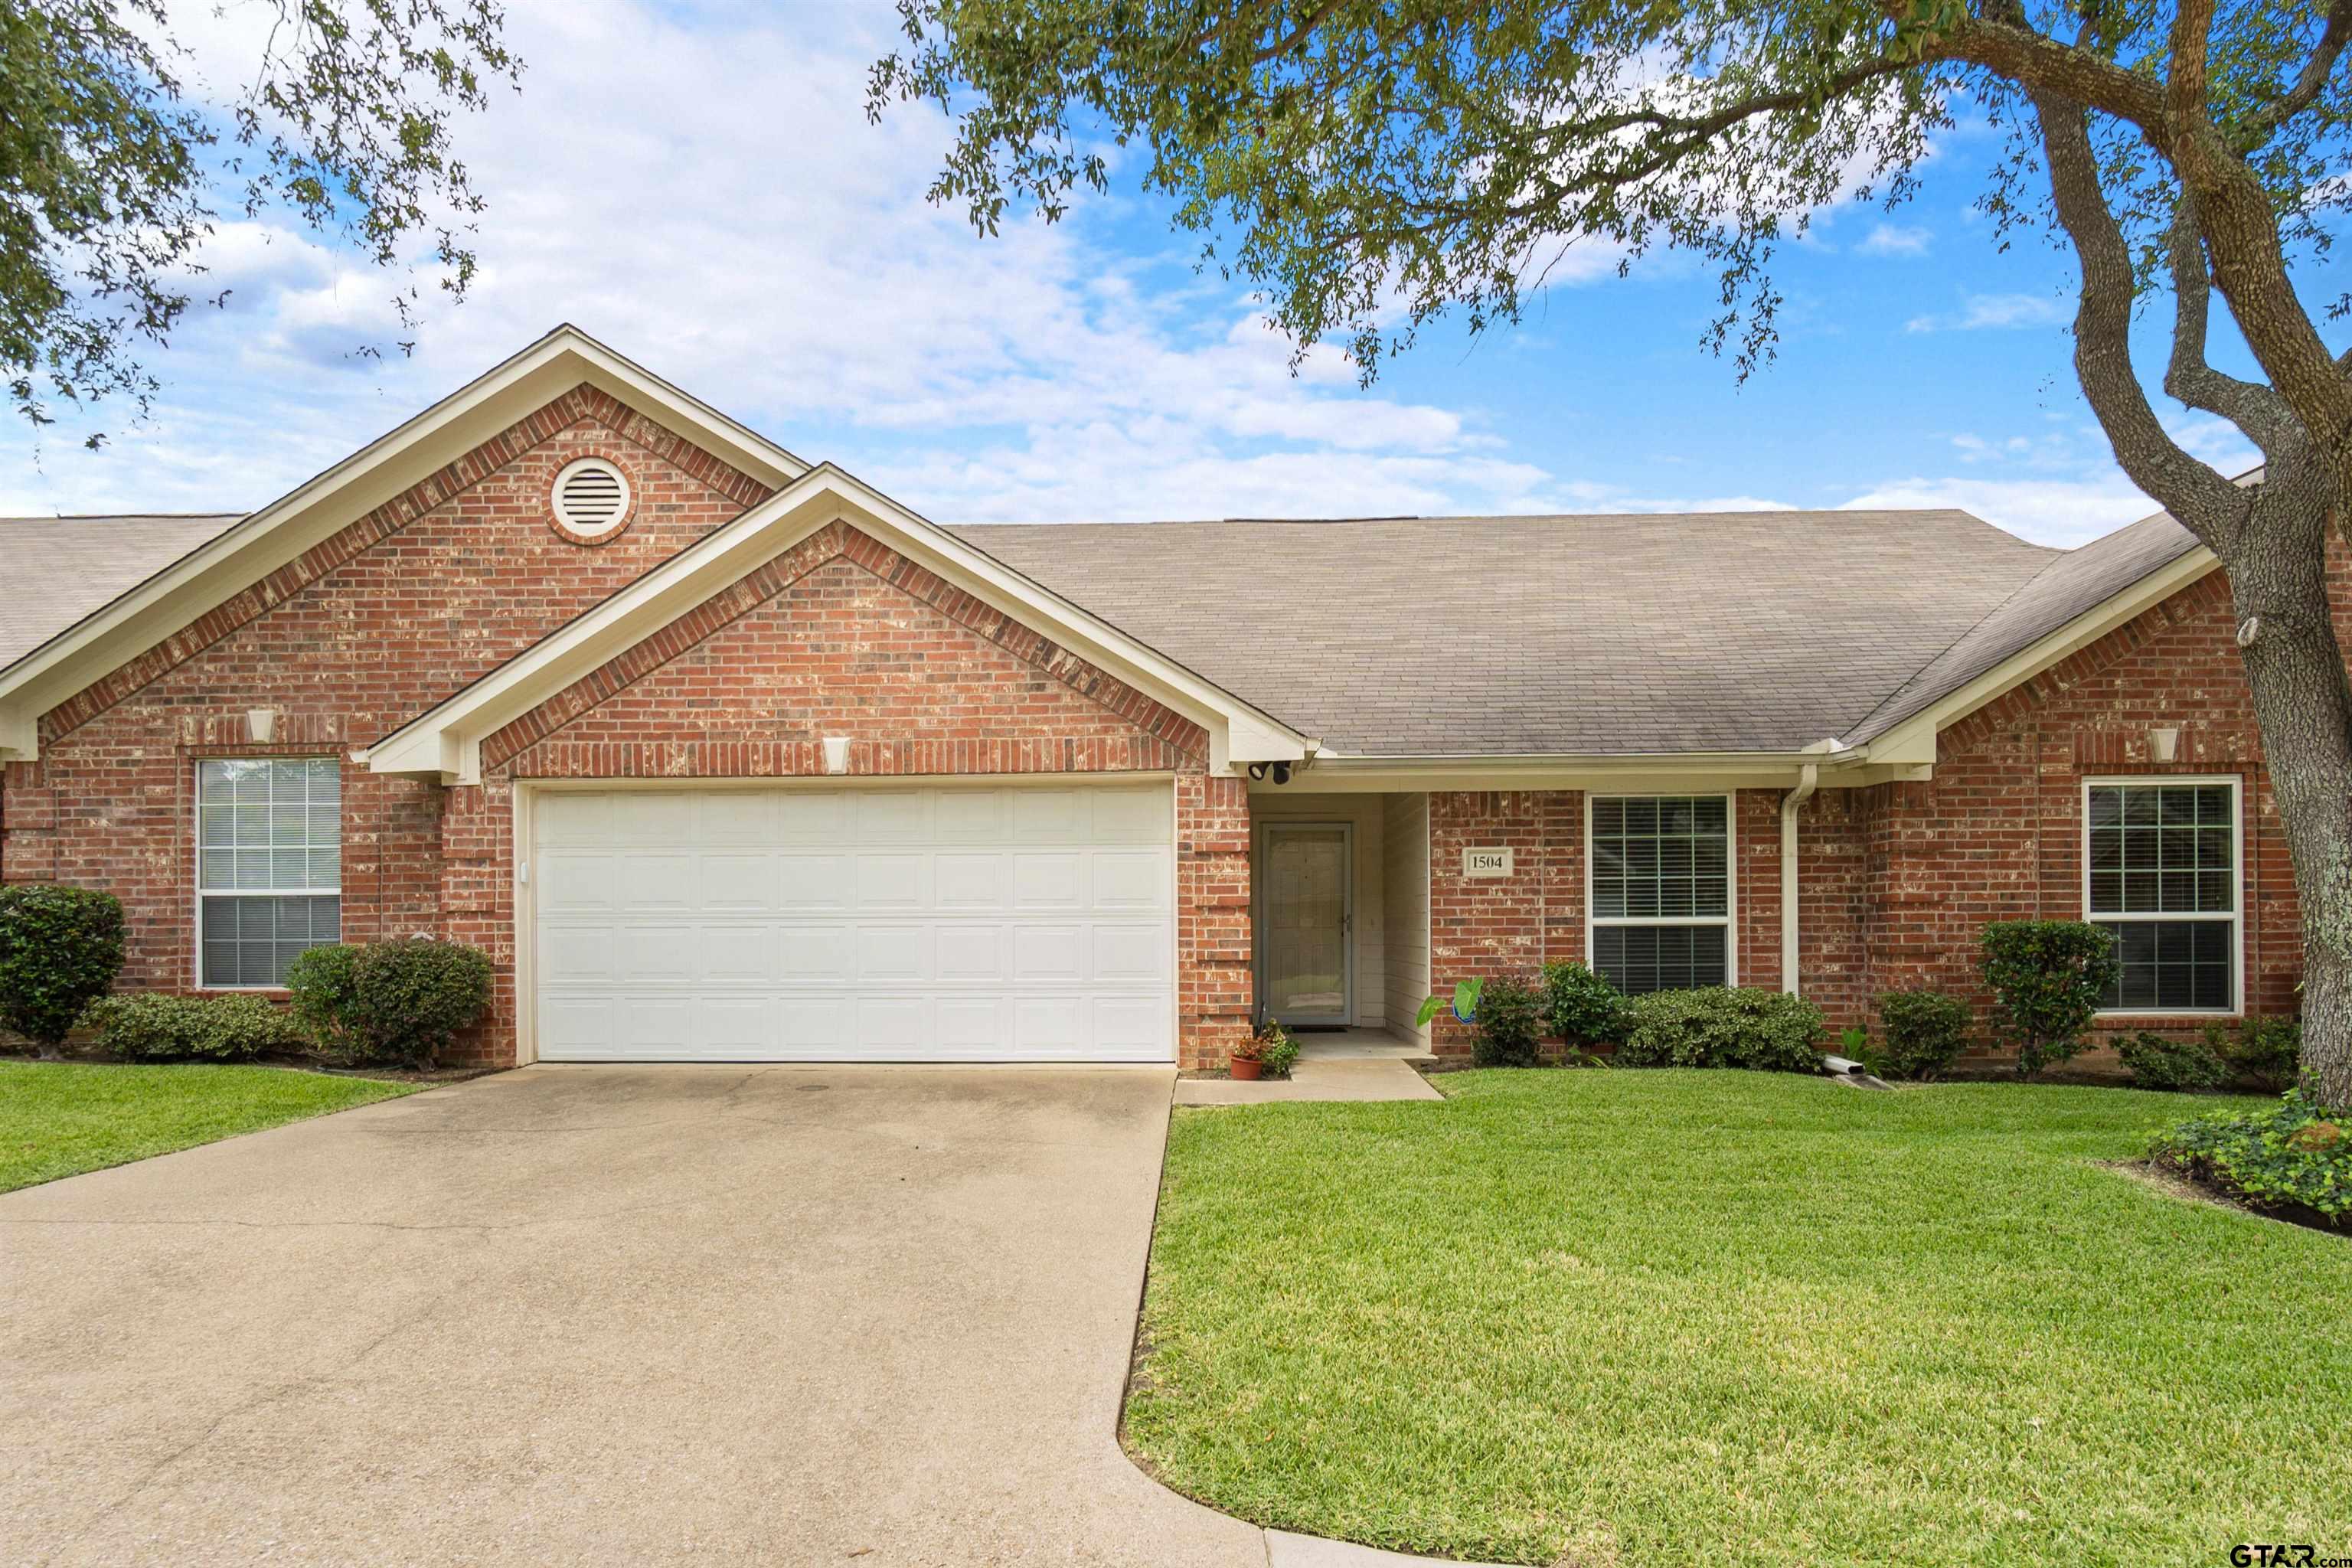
<point x="1280" y="771"/>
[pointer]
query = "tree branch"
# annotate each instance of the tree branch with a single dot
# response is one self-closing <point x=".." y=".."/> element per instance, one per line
<point x="2254" y="408"/>
<point x="2155" y="463"/>
<point x="2261" y="127"/>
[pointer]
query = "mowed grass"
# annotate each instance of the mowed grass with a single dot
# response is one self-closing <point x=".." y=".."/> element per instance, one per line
<point x="1736" y="1318"/>
<point x="60" y="1118"/>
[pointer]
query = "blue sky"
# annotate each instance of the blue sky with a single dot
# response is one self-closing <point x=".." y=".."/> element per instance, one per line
<point x="699" y="188"/>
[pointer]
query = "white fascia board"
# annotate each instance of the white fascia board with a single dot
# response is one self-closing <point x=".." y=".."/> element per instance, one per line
<point x="445" y="741"/>
<point x="266" y="541"/>
<point x="1914" y="741"/>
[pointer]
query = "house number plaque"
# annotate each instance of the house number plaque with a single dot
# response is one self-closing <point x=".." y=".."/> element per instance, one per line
<point x="1486" y="862"/>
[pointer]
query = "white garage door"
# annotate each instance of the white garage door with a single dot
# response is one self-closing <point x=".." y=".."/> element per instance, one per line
<point x="859" y="924"/>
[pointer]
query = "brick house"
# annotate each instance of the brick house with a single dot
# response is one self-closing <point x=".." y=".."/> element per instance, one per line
<point x="722" y="755"/>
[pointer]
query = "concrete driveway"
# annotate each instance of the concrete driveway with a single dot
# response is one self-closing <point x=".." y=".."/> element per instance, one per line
<point x="604" y="1315"/>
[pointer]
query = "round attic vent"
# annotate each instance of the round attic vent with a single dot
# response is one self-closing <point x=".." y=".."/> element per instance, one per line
<point x="592" y="499"/>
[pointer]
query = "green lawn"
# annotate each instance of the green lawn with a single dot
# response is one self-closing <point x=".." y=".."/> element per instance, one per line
<point x="1737" y="1317"/>
<point x="60" y="1118"/>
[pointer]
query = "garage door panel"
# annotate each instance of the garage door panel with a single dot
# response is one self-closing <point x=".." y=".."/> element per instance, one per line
<point x="1042" y="954"/>
<point x="969" y="881"/>
<point x="571" y="951"/>
<point x="1131" y="954"/>
<point x="739" y="953"/>
<point x="807" y="950"/>
<point x="893" y="953"/>
<point x="896" y="924"/>
<point x="1130" y="880"/>
<point x="650" y="879"/>
<point x="973" y="954"/>
<point x="812" y="816"/>
<point x="1049" y="882"/>
<point x="893" y="881"/>
<point x="816" y="882"/>
<point x="577" y="880"/>
<point x="748" y="881"/>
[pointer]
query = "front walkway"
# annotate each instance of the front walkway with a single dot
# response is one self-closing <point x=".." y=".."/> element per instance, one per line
<point x="1339" y="1064"/>
<point x="606" y="1314"/>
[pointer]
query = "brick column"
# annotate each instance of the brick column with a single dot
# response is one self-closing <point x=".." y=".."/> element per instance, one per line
<point x="1215" y="992"/>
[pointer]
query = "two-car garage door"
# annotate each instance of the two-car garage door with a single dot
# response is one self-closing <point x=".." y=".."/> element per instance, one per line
<point x="878" y="924"/>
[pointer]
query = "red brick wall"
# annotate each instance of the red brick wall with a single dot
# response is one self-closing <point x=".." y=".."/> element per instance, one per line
<point x="386" y="617"/>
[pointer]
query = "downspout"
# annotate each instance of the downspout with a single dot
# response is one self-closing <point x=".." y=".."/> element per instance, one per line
<point x="1808" y="780"/>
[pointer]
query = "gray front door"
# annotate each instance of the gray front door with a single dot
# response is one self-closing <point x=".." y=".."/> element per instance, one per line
<point x="1307" y="916"/>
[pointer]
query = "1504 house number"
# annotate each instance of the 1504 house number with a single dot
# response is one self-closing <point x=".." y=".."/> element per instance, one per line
<point x="1486" y="862"/>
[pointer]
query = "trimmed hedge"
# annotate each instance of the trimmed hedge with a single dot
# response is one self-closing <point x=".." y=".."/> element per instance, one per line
<point x="1924" y="1032"/>
<point x="1508" y="1021"/>
<point x="60" y="949"/>
<point x="1580" y="1008"/>
<point x="2047" y="977"/>
<point x="2156" y="1062"/>
<point x="157" y="1027"/>
<point x="2283" y="1157"/>
<point x="400" y="1001"/>
<point x="1722" y="1026"/>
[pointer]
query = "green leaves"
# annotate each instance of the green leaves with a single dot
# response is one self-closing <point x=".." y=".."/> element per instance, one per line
<point x="105" y="196"/>
<point x="1465" y="1001"/>
<point x="60" y="949"/>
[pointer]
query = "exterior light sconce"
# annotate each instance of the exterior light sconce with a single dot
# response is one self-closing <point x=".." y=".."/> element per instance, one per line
<point x="1280" y="771"/>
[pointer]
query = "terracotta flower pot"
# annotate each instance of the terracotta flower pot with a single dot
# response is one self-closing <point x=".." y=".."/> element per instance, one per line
<point x="1246" y="1067"/>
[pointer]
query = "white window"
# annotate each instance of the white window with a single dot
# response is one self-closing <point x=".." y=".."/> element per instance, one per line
<point x="269" y="865"/>
<point x="1659" y="890"/>
<point x="2160" y="873"/>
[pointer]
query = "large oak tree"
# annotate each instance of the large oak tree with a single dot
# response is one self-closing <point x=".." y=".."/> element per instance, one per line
<point x="1370" y="164"/>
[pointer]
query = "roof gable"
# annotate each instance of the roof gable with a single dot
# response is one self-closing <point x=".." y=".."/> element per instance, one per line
<point x="248" y="551"/>
<point x="446" y="741"/>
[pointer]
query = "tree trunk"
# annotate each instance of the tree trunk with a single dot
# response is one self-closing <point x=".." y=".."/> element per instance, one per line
<point x="2303" y="700"/>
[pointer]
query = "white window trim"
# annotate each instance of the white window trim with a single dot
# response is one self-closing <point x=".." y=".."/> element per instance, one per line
<point x="2237" y="910"/>
<point x="196" y="855"/>
<point x="1728" y="920"/>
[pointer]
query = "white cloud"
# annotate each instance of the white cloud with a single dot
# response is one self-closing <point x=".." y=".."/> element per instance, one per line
<point x="1895" y="239"/>
<point x="1979" y="311"/>
<point x="710" y="199"/>
<point x="2062" y="511"/>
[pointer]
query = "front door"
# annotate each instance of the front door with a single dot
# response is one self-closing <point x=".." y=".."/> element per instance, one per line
<point x="1306" y="923"/>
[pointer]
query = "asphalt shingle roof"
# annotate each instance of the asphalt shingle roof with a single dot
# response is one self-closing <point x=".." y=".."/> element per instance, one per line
<point x="1496" y="635"/>
<point x="1584" y="634"/>
<point x="55" y="570"/>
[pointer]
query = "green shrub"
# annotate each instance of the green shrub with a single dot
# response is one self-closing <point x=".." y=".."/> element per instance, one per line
<point x="156" y="1027"/>
<point x="325" y="983"/>
<point x="1925" y="1031"/>
<point x="1719" y="1026"/>
<point x="60" y="949"/>
<point x="2156" y="1062"/>
<point x="1580" y="1008"/>
<point x="1508" y="1022"/>
<point x="410" y="998"/>
<point x="2278" y="1157"/>
<point x="2269" y="1051"/>
<point x="2047" y="977"/>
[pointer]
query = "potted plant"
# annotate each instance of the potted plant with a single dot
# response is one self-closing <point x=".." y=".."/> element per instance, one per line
<point x="1245" y="1062"/>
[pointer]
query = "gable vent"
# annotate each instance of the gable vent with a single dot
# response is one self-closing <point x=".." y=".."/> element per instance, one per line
<point x="592" y="498"/>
